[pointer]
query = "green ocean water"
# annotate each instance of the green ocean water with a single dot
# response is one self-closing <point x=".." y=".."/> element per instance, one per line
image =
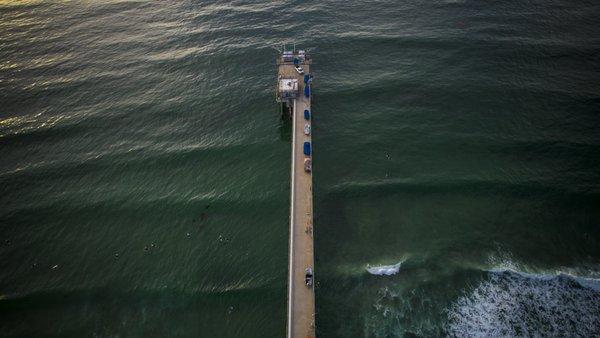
<point x="144" y="168"/>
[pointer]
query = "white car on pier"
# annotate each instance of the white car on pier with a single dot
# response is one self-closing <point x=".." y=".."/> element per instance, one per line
<point x="307" y="129"/>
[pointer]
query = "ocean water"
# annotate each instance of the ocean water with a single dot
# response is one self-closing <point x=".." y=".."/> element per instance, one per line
<point x="144" y="168"/>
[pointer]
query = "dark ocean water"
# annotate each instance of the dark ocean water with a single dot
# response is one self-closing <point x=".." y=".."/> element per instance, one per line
<point x="144" y="168"/>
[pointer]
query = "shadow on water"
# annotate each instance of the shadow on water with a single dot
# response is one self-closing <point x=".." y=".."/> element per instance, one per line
<point x="285" y="127"/>
<point x="327" y="241"/>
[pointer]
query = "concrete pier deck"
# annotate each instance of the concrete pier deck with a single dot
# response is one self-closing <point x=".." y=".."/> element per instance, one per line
<point x="301" y="298"/>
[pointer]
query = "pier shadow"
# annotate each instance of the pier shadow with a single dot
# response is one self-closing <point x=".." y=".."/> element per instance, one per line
<point x="285" y="126"/>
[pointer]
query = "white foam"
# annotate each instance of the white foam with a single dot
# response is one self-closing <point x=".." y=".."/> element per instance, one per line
<point x="386" y="270"/>
<point x="590" y="283"/>
<point x="512" y="303"/>
<point x="503" y="260"/>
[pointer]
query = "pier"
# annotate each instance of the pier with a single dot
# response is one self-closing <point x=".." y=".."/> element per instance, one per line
<point x="295" y="101"/>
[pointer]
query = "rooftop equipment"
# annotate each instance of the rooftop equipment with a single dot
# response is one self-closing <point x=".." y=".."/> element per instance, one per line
<point x="287" y="89"/>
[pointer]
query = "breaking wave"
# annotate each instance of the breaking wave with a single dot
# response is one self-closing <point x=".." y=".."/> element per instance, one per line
<point x="510" y="304"/>
<point x="386" y="270"/>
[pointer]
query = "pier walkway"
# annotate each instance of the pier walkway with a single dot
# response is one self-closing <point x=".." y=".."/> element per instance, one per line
<point x="301" y="298"/>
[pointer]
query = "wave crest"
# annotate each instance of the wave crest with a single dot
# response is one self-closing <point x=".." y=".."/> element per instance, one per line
<point x="387" y="270"/>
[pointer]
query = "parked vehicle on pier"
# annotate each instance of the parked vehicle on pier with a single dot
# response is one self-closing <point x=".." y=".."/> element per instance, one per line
<point x="307" y="91"/>
<point x="306" y="114"/>
<point x="299" y="69"/>
<point x="307" y="148"/>
<point x="307" y="129"/>
<point x="308" y="278"/>
<point x="307" y="165"/>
